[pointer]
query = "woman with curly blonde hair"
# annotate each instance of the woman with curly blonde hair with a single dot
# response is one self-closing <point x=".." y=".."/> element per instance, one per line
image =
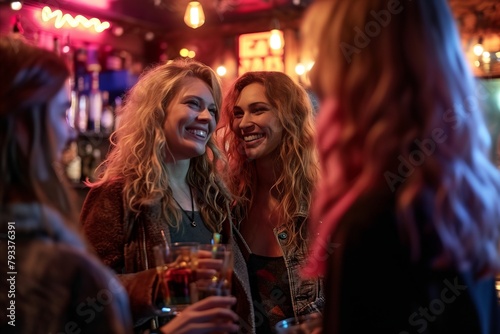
<point x="267" y="133"/>
<point x="408" y="198"/>
<point x="159" y="180"/>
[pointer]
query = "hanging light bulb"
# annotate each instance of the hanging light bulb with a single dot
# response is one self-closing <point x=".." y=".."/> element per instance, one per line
<point x="276" y="41"/>
<point x="16" y="5"/>
<point x="194" y="16"/>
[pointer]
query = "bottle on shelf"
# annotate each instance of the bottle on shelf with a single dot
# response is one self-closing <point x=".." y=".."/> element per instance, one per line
<point x="83" y="105"/>
<point x="90" y="161"/>
<point x="113" y="61"/>
<point x="68" y="55"/>
<point x="107" y="117"/>
<point x="87" y="162"/>
<point x="73" y="109"/>
<point x="81" y="87"/>
<point x="96" y="160"/>
<point x="95" y="107"/>
<point x="56" y="46"/>
<point x="80" y="62"/>
<point x="118" y="109"/>
<point x="74" y="166"/>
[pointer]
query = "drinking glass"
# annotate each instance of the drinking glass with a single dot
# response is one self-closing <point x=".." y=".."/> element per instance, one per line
<point x="306" y="324"/>
<point x="176" y="266"/>
<point x="215" y="270"/>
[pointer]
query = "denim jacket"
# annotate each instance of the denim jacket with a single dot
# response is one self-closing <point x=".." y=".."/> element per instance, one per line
<point x="307" y="294"/>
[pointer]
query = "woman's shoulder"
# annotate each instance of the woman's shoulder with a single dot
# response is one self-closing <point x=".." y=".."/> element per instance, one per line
<point x="107" y="194"/>
<point x="63" y="264"/>
<point x="370" y="208"/>
<point x="38" y="220"/>
<point x="369" y="223"/>
<point x="92" y="275"/>
<point x="111" y="188"/>
<point x="74" y="279"/>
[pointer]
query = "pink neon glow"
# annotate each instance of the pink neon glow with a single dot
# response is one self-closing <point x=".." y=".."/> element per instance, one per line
<point x="100" y="4"/>
<point x="60" y="19"/>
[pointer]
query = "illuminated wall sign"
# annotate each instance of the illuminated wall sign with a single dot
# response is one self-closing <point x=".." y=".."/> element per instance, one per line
<point x="61" y="19"/>
<point x="255" y="54"/>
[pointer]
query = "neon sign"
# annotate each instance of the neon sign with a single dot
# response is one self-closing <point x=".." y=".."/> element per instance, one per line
<point x="79" y="20"/>
<point x="255" y="54"/>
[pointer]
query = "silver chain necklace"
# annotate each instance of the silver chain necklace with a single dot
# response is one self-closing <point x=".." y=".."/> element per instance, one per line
<point x="191" y="218"/>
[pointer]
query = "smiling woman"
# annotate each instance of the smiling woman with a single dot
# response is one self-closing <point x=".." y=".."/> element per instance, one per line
<point x="191" y="120"/>
<point x="159" y="184"/>
<point x="267" y="133"/>
<point x="257" y="121"/>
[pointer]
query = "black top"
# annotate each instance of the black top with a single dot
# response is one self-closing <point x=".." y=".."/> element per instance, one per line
<point x="373" y="287"/>
<point x="270" y="291"/>
<point x="189" y="233"/>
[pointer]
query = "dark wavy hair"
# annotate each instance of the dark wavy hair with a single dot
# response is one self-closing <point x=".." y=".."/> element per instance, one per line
<point x="30" y="77"/>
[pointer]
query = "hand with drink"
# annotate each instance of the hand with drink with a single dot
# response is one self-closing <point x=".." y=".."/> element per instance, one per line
<point x="215" y="269"/>
<point x="306" y="324"/>
<point x="176" y="266"/>
<point x="190" y="272"/>
<point x="212" y="314"/>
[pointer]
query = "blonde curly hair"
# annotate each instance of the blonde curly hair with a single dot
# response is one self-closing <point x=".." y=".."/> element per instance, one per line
<point x="139" y="147"/>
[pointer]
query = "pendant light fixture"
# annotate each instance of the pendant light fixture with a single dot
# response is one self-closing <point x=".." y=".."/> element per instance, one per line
<point x="194" y="16"/>
<point x="276" y="41"/>
<point x="16" y="5"/>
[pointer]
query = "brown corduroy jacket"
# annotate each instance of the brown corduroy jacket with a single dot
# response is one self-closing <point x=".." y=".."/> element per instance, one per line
<point x="130" y="253"/>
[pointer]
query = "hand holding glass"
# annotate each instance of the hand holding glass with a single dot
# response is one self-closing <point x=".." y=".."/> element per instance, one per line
<point x="177" y="266"/>
<point x="306" y="324"/>
<point x="215" y="270"/>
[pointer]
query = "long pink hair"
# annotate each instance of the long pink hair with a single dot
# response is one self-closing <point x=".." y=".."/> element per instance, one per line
<point x="384" y="94"/>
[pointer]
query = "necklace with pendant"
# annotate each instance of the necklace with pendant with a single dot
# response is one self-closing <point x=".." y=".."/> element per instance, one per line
<point x="191" y="218"/>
